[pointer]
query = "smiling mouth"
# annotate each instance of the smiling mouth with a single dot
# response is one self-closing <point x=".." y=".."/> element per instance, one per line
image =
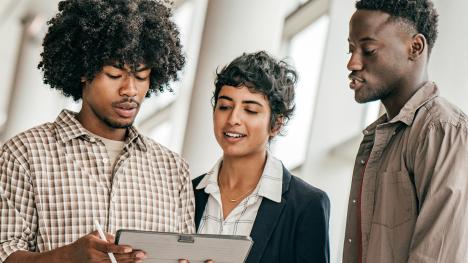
<point x="234" y="135"/>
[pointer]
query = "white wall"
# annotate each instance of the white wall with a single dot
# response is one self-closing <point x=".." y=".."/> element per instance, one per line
<point x="449" y="60"/>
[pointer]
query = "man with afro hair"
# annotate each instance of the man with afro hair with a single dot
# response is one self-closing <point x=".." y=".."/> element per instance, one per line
<point x="409" y="198"/>
<point x="57" y="179"/>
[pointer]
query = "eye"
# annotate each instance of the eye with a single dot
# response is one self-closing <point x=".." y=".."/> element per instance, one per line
<point x="141" y="78"/>
<point x="223" y="107"/>
<point x="113" y="76"/>
<point x="368" y="52"/>
<point x="249" y="111"/>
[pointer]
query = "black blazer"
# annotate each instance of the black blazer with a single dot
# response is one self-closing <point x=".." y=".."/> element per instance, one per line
<point x="295" y="230"/>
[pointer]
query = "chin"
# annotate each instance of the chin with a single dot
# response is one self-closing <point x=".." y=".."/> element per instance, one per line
<point x="120" y="125"/>
<point x="364" y="98"/>
<point x="233" y="153"/>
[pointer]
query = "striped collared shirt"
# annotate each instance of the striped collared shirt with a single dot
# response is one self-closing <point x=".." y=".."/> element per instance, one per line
<point x="56" y="179"/>
<point x="241" y="219"/>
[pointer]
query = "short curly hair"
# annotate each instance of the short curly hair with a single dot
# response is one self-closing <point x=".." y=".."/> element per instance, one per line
<point x="88" y="34"/>
<point x="420" y="14"/>
<point x="261" y="73"/>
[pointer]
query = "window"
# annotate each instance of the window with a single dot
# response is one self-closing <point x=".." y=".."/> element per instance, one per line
<point x="305" y="51"/>
<point x="153" y="116"/>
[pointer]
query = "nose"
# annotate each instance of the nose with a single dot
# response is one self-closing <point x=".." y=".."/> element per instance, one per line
<point x="355" y="62"/>
<point x="128" y="87"/>
<point x="234" y="118"/>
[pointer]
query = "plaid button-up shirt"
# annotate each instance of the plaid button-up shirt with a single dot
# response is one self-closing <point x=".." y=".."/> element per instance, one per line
<point x="56" y="179"/>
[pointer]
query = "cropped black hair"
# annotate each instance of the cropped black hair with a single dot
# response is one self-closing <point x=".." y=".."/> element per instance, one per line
<point x="420" y="14"/>
<point x="262" y="73"/>
<point x="88" y="34"/>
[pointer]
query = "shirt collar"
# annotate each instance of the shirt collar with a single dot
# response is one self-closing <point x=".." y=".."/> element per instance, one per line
<point x="427" y="92"/>
<point x="407" y="114"/>
<point x="68" y="128"/>
<point x="269" y="186"/>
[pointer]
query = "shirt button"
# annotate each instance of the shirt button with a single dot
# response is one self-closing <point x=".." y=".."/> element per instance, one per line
<point x="354" y="201"/>
<point x="105" y="160"/>
<point x="350" y="240"/>
<point x="366" y="132"/>
<point x="362" y="162"/>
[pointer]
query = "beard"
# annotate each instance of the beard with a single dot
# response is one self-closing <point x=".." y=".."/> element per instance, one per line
<point x="368" y="94"/>
<point x="115" y="124"/>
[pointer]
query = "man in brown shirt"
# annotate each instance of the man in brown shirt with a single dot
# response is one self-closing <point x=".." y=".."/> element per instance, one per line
<point x="409" y="199"/>
<point x="58" y="178"/>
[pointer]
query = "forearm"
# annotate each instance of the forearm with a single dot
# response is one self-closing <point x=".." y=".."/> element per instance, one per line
<point x="54" y="256"/>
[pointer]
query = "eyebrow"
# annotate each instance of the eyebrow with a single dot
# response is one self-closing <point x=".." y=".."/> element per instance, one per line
<point x="365" y="39"/>
<point x="243" y="102"/>
<point x="121" y="66"/>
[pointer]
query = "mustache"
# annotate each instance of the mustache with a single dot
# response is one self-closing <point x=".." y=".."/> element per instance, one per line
<point x="127" y="102"/>
<point x="354" y="76"/>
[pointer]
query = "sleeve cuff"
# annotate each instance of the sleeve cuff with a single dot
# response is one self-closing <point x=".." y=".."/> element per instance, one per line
<point x="6" y="249"/>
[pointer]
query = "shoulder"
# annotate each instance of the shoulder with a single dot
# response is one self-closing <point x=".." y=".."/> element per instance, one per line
<point x="439" y="113"/>
<point x="162" y="153"/>
<point x="307" y="195"/>
<point x="33" y="139"/>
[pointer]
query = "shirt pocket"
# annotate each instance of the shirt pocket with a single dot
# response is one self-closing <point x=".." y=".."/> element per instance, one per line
<point x="394" y="204"/>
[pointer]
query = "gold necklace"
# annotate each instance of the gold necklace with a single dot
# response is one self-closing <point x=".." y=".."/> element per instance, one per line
<point x="235" y="200"/>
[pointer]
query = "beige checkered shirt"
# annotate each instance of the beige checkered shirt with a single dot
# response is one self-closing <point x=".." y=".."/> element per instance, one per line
<point x="56" y="179"/>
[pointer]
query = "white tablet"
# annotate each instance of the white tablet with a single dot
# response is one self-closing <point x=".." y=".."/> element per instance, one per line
<point x="170" y="247"/>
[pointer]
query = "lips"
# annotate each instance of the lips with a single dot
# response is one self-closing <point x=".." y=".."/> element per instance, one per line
<point x="356" y="82"/>
<point x="233" y="136"/>
<point x="126" y="109"/>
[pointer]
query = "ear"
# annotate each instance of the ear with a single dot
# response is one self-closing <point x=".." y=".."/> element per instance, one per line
<point x="277" y="127"/>
<point x="84" y="82"/>
<point x="418" y="46"/>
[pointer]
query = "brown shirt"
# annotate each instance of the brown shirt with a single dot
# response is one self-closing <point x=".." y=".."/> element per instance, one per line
<point x="56" y="179"/>
<point x="413" y="172"/>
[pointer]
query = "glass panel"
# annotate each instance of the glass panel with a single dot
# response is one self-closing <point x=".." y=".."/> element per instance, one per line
<point x="305" y="50"/>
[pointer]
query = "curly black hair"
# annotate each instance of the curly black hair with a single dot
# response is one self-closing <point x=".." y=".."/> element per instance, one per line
<point x="261" y="73"/>
<point x="420" y="14"/>
<point x="88" y="34"/>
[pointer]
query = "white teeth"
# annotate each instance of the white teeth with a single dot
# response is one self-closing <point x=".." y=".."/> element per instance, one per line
<point x="234" y="135"/>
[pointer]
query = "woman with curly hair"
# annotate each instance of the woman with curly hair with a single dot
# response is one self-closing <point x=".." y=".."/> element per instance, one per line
<point x="248" y="191"/>
<point x="57" y="179"/>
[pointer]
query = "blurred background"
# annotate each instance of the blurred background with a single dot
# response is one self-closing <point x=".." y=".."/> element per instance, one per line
<point x="323" y="137"/>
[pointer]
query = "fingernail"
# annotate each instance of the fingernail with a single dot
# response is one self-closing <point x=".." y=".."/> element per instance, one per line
<point x="127" y="250"/>
<point x="140" y="255"/>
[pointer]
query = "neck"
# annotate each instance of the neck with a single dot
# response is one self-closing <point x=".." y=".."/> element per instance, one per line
<point x="241" y="172"/>
<point x="98" y="127"/>
<point x="395" y="101"/>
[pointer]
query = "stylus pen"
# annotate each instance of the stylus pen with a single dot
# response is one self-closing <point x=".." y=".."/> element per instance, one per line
<point x="103" y="237"/>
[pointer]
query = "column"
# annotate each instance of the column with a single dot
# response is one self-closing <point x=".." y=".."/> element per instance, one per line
<point x="31" y="102"/>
